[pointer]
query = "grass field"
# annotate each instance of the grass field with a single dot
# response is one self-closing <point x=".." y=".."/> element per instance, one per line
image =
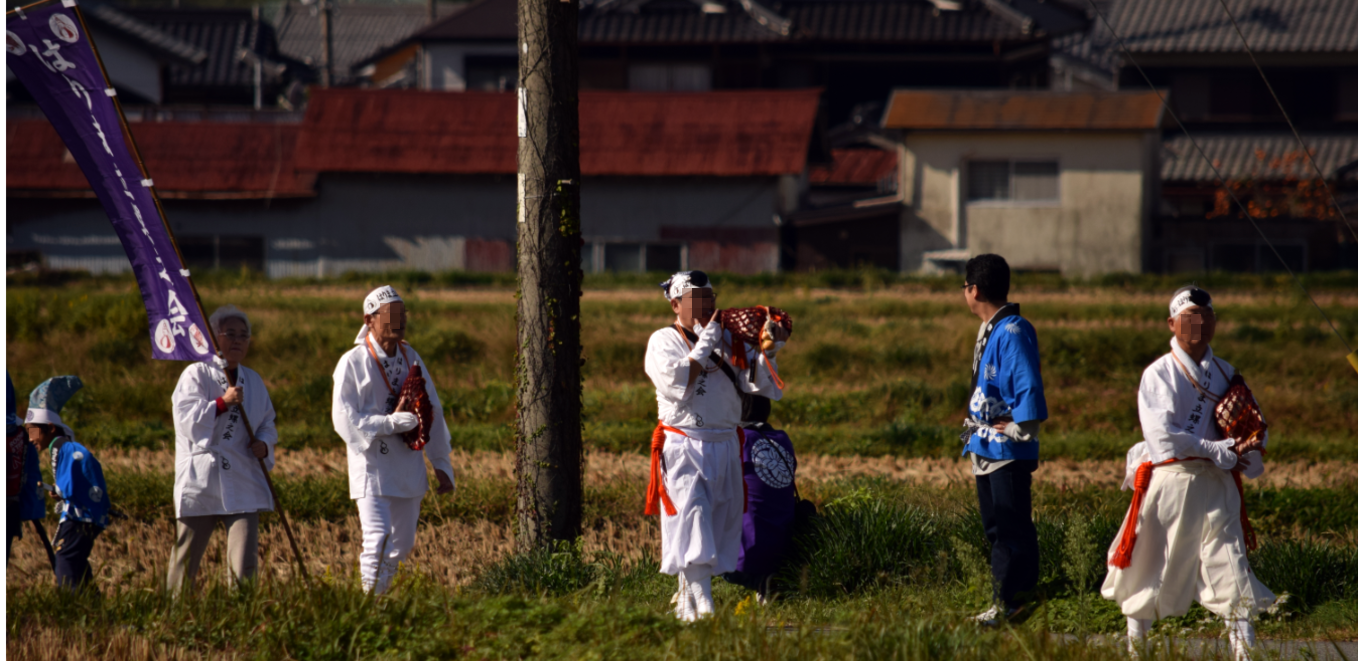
<point x="876" y="373"/>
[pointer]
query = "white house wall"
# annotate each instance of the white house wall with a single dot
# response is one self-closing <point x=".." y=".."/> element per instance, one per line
<point x="1096" y="226"/>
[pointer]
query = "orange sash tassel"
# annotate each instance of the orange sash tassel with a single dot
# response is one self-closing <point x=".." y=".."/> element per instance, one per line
<point x="1122" y="557"/>
<point x="655" y="490"/>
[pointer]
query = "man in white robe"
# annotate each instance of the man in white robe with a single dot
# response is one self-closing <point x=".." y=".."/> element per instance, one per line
<point x="217" y="476"/>
<point x="1189" y="539"/>
<point x="697" y="484"/>
<point x="387" y="478"/>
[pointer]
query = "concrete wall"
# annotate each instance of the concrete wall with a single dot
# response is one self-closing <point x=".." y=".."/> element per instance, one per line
<point x="1098" y="224"/>
<point x="369" y="222"/>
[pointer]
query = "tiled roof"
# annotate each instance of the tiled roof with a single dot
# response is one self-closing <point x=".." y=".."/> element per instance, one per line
<point x="1202" y="26"/>
<point x="159" y="40"/>
<point x="854" y="167"/>
<point x="1270" y="155"/>
<point x="191" y="160"/>
<point x="621" y="133"/>
<point x="357" y="32"/>
<point x="1020" y="110"/>
<point x="221" y="33"/>
<point x="1197" y="26"/>
<point x="858" y="21"/>
<point x="909" y="21"/>
<point x="483" y="19"/>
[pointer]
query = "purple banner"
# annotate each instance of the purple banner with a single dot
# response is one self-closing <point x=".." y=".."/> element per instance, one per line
<point x="49" y="52"/>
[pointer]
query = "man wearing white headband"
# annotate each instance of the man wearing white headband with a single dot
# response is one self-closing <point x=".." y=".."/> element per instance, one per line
<point x="696" y="483"/>
<point x="1184" y="537"/>
<point x="217" y="476"/>
<point x="387" y="476"/>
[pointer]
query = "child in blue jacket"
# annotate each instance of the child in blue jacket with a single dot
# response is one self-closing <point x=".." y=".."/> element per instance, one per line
<point x="79" y="480"/>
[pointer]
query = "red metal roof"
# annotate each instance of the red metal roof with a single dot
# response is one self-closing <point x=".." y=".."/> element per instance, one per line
<point x="208" y="160"/>
<point x="1022" y="111"/>
<point x="854" y="167"/>
<point x="621" y="133"/>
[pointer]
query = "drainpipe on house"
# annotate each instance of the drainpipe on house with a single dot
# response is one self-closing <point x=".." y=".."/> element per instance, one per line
<point x="259" y="65"/>
<point x="327" y="47"/>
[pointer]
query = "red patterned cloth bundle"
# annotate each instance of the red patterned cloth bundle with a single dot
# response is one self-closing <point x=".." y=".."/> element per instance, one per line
<point x="414" y="398"/>
<point x="749" y="326"/>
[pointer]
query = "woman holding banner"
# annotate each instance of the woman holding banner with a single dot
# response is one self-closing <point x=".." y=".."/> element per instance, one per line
<point x="217" y="475"/>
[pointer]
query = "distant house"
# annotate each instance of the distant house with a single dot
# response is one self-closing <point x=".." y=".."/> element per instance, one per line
<point x="400" y="179"/>
<point x="1189" y="48"/>
<point x="242" y="67"/>
<point x="138" y="55"/>
<point x="850" y="215"/>
<point x="857" y="50"/>
<point x="1061" y="182"/>
<point x="1199" y="229"/>
<point x="357" y="31"/>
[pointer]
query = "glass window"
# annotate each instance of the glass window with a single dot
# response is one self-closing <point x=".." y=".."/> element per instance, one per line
<point x="664" y="258"/>
<point x="622" y="257"/>
<point x="1023" y="181"/>
<point x="988" y="180"/>
<point x="669" y="78"/>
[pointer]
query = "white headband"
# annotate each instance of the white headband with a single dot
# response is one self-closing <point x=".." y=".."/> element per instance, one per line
<point x="1189" y="298"/>
<point x="684" y="281"/>
<point x="379" y="297"/>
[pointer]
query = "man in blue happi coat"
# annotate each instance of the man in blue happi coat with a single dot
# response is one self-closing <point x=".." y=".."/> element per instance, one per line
<point x="23" y="483"/>
<point x="1007" y="405"/>
<point x="78" y="476"/>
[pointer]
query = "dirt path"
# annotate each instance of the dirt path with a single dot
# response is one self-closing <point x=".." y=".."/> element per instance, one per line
<point x="605" y="468"/>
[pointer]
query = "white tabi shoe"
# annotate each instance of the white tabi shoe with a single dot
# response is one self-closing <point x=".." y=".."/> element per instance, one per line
<point x="701" y="592"/>
<point x="684" y="608"/>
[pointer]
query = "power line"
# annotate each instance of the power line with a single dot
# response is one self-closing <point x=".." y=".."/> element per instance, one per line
<point x="1126" y="51"/>
<point x="1295" y="132"/>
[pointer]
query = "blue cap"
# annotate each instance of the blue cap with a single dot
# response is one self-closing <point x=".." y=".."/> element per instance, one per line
<point x="53" y="393"/>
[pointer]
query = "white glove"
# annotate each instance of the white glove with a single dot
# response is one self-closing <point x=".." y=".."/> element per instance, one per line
<point x="708" y="339"/>
<point x="396" y="423"/>
<point x="1221" y="454"/>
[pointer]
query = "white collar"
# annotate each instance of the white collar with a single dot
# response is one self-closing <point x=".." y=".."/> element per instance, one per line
<point x="1199" y="368"/>
<point x="986" y="324"/>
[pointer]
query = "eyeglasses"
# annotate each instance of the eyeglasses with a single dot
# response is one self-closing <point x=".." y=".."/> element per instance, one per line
<point x="235" y="337"/>
<point x="967" y="285"/>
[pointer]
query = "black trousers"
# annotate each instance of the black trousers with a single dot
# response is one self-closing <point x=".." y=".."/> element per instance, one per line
<point x="1006" y="499"/>
<point x="75" y="540"/>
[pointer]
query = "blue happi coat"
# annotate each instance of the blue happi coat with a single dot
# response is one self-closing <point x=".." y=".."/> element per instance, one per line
<point x="80" y="480"/>
<point x="1007" y="382"/>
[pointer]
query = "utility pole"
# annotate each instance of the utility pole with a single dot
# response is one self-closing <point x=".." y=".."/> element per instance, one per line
<point x="327" y="44"/>
<point x="549" y="449"/>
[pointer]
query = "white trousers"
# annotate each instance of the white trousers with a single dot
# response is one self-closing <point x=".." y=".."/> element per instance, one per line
<point x="388" y="536"/>
<point x="1189" y="546"/>
<point x="702" y="477"/>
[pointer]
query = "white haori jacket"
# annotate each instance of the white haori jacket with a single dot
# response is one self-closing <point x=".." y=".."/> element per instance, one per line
<point x="1176" y="419"/>
<point x="215" y="472"/>
<point x="1190" y="543"/>
<point x="702" y="463"/>
<point x="712" y="403"/>
<point x="381" y="464"/>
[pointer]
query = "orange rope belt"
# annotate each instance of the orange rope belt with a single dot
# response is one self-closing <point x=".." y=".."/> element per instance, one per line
<point x="655" y="489"/>
<point x="1122" y="557"/>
